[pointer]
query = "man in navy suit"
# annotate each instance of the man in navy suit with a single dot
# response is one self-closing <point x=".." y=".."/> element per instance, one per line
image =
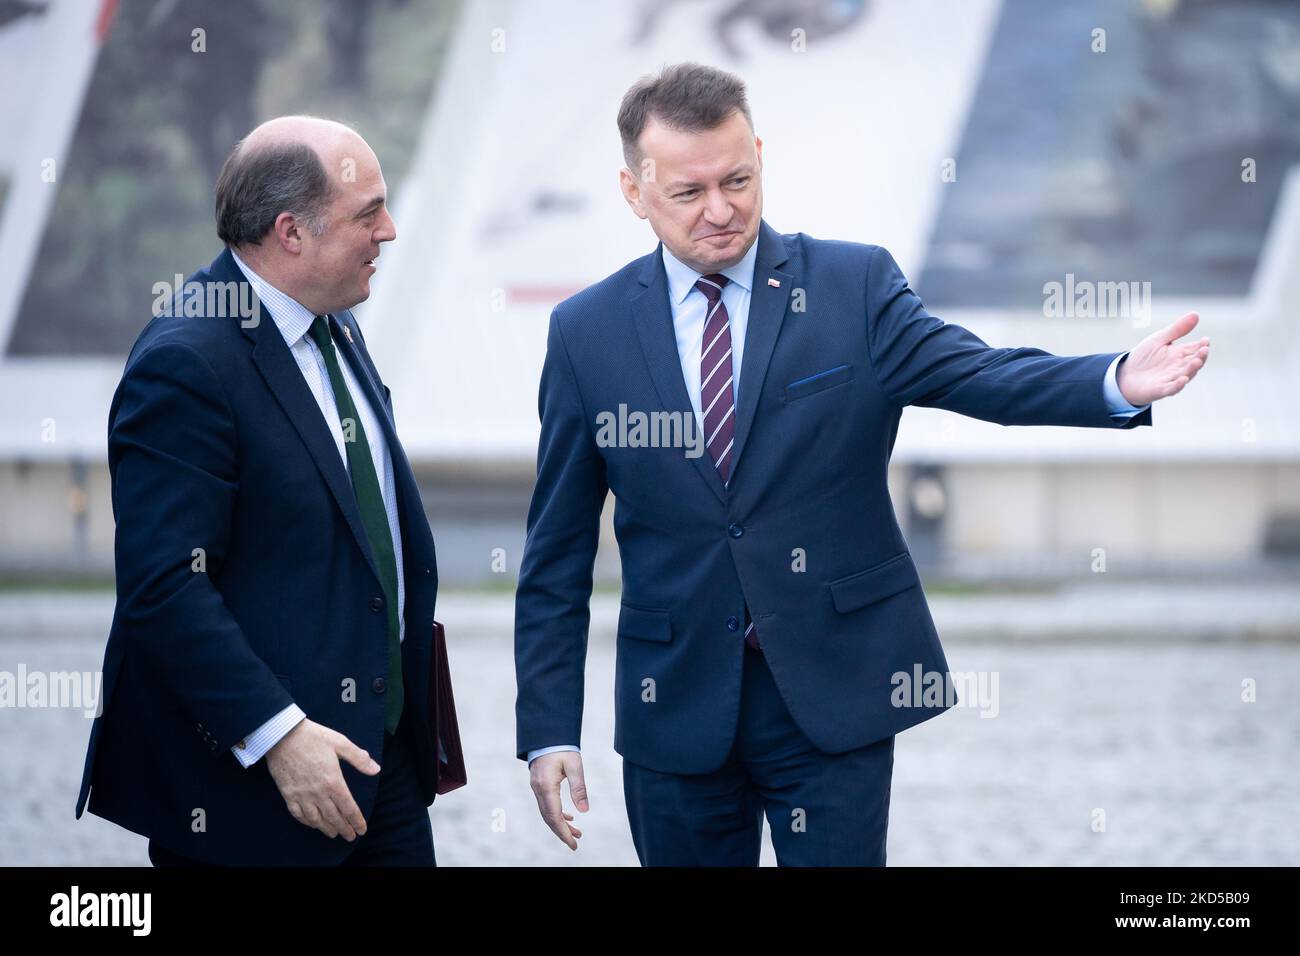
<point x="769" y="598"/>
<point x="266" y="676"/>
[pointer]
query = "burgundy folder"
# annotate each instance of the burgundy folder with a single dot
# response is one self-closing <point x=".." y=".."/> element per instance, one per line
<point x="442" y="717"/>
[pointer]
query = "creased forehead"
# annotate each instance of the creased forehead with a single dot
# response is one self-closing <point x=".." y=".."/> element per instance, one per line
<point x="705" y="154"/>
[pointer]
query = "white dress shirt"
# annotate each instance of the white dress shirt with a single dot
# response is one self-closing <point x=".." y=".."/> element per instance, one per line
<point x="293" y="319"/>
<point x="690" y="309"/>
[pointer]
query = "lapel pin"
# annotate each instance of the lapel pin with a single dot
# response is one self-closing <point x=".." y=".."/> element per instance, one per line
<point x="774" y="283"/>
<point x="347" y="334"/>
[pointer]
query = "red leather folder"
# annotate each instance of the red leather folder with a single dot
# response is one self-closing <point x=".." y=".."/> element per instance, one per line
<point x="442" y="717"/>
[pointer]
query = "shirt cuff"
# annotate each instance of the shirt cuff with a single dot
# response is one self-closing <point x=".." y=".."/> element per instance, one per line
<point x="534" y="754"/>
<point x="253" y="747"/>
<point x="1115" y="400"/>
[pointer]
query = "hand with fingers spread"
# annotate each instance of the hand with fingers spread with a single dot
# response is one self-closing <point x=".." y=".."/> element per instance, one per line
<point x="545" y="773"/>
<point x="305" y="766"/>
<point x="1160" y="366"/>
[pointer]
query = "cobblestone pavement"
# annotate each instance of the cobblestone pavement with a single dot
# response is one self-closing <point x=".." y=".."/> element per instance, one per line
<point x="1154" y="733"/>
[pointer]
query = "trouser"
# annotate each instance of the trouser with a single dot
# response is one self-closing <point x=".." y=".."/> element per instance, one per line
<point x="823" y="809"/>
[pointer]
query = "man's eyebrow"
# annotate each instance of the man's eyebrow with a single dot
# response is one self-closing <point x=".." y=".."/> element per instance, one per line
<point x="683" y="184"/>
<point x="371" y="206"/>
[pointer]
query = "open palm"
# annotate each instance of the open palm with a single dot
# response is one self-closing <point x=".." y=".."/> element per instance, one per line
<point x="1160" y="366"/>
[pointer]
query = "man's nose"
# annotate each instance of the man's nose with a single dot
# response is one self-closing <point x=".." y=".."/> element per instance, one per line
<point x="717" y="210"/>
<point x="388" y="229"/>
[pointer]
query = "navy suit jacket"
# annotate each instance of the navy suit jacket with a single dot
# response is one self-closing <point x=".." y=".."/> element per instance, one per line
<point x="821" y="392"/>
<point x="215" y="442"/>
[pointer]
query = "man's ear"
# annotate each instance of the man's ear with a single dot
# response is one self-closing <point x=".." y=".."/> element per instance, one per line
<point x="288" y="233"/>
<point x="631" y="191"/>
<point x="758" y="145"/>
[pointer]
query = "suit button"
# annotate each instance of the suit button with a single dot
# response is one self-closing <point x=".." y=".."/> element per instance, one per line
<point x="378" y="685"/>
<point x="428" y="572"/>
<point x="733" y="623"/>
<point x="735" y="530"/>
<point x="376" y="604"/>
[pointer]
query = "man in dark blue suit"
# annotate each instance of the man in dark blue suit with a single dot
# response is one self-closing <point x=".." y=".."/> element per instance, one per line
<point x="266" y="677"/>
<point x="769" y="599"/>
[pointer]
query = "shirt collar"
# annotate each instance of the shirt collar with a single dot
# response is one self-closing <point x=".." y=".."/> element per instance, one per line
<point x="291" y="317"/>
<point x="682" y="278"/>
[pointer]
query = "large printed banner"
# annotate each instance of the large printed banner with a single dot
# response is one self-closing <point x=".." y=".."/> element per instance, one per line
<point x="47" y="54"/>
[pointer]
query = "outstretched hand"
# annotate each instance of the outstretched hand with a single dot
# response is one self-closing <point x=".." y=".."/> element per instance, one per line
<point x="1159" y="366"/>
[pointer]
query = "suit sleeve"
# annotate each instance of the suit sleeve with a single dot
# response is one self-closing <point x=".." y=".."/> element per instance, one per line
<point x="921" y="360"/>
<point x="555" y="576"/>
<point x="172" y="450"/>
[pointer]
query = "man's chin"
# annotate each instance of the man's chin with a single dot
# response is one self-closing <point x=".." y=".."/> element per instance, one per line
<point x="723" y="257"/>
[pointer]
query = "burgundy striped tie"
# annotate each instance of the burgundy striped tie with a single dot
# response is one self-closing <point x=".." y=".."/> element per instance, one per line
<point x="717" y="398"/>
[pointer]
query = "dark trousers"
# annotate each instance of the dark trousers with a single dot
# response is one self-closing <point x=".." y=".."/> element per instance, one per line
<point x="823" y="809"/>
<point x="398" y="832"/>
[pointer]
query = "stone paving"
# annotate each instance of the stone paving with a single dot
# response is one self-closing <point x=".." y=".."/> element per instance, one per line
<point x="1150" y="729"/>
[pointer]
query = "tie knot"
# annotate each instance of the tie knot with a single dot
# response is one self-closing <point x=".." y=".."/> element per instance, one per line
<point x="711" y="286"/>
<point x="320" y="332"/>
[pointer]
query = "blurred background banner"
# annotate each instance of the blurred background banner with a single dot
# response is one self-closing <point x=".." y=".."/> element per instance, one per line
<point x="1137" y="156"/>
<point x="1069" y="176"/>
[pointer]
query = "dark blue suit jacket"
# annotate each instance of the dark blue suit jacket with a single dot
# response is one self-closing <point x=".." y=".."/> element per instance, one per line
<point x="821" y="392"/>
<point x="215" y="442"/>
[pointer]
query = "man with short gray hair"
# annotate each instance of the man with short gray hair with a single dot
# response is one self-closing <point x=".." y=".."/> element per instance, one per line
<point x="768" y="594"/>
<point x="266" y="680"/>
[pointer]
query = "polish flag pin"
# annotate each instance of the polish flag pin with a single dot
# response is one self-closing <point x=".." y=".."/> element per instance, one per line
<point x="774" y="283"/>
<point x="347" y="334"/>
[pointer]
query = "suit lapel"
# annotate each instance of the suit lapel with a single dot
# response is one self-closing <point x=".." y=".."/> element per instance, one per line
<point x="374" y="395"/>
<point x="361" y="372"/>
<point x="403" y="474"/>
<point x="653" y="317"/>
<point x="766" y="313"/>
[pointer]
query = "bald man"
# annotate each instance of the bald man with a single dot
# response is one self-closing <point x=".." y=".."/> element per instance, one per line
<point x="266" y="691"/>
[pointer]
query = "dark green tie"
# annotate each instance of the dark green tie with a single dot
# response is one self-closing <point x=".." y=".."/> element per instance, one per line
<point x="374" y="517"/>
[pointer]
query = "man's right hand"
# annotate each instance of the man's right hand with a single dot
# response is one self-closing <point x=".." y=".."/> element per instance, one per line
<point x="305" y="766"/>
<point x="545" y="774"/>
